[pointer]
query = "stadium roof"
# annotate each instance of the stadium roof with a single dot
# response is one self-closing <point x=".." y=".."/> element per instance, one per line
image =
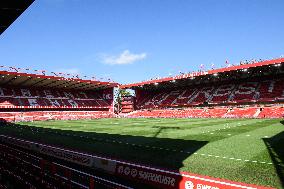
<point x="10" y="10"/>
<point x="204" y="73"/>
<point x="44" y="81"/>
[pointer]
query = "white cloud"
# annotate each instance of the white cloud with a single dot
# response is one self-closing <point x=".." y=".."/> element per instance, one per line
<point x="123" y="58"/>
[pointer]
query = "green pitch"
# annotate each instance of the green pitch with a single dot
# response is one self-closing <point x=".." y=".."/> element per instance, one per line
<point x="243" y="150"/>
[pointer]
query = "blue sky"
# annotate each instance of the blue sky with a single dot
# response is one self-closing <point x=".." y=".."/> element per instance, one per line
<point x="134" y="40"/>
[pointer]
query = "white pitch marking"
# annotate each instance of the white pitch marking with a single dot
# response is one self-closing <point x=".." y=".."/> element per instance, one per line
<point x="67" y="134"/>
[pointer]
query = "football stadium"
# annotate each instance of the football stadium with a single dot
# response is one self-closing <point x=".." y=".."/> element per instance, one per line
<point x="206" y="129"/>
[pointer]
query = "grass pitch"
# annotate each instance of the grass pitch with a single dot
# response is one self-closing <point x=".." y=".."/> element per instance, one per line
<point x="243" y="150"/>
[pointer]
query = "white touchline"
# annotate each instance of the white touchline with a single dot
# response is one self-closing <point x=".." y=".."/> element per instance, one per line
<point x="227" y="127"/>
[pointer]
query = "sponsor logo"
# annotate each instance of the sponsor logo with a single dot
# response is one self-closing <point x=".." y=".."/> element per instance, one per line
<point x="146" y="176"/>
<point x="76" y="158"/>
<point x="188" y="185"/>
<point x="204" y="186"/>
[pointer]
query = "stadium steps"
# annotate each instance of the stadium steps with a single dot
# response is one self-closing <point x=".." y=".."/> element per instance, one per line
<point x="257" y="113"/>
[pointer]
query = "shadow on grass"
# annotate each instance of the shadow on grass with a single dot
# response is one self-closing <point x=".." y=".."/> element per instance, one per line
<point x="166" y="153"/>
<point x="161" y="129"/>
<point x="275" y="146"/>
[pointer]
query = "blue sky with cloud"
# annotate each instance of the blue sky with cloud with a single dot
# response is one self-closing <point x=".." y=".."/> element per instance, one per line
<point x="134" y="40"/>
<point x="123" y="58"/>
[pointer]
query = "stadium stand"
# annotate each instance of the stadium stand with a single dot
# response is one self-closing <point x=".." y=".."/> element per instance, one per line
<point x="253" y="90"/>
<point x="127" y="104"/>
<point x="243" y="112"/>
<point x="14" y="97"/>
<point x="53" y="115"/>
<point x="271" y="112"/>
<point x="216" y="112"/>
<point x="269" y="90"/>
<point x="21" y="169"/>
<point x="28" y="97"/>
<point x="27" y="104"/>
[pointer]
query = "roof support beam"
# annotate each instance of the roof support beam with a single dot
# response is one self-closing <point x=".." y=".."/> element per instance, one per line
<point x="61" y="84"/>
<point x="38" y="82"/>
<point x="71" y="86"/>
<point x="25" y="81"/>
<point x="47" y="85"/>
<point x="9" y="81"/>
<point x="81" y="87"/>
